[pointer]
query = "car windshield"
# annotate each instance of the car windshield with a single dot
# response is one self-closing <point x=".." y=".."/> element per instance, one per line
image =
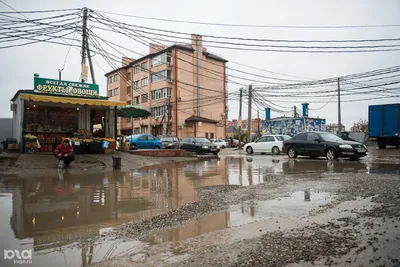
<point x="330" y="137"/>
<point x="202" y="140"/>
<point x="167" y="139"/>
<point x="282" y="137"/>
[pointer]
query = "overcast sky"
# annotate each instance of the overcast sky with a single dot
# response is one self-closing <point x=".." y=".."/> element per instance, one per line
<point x="20" y="63"/>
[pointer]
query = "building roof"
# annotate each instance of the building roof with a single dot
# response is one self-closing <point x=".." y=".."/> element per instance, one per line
<point x="202" y="119"/>
<point x="215" y="57"/>
<point x="177" y="46"/>
<point x="32" y="92"/>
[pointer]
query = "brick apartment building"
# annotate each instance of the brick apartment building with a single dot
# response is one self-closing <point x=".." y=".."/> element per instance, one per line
<point x="166" y="82"/>
<point x="255" y="123"/>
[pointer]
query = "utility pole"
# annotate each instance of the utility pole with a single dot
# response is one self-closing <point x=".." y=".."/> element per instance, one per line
<point x="169" y="114"/>
<point x="90" y="61"/>
<point x="339" y="109"/>
<point x="248" y="140"/>
<point x="84" y="42"/>
<point x="295" y="111"/>
<point x="258" y="122"/>
<point x="198" y="74"/>
<point x="240" y="115"/>
<point x="59" y="74"/>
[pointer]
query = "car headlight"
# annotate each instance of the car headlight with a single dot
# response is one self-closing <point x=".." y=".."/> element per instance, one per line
<point x="217" y="147"/>
<point x="205" y="147"/>
<point x="345" y="146"/>
<point x="169" y="144"/>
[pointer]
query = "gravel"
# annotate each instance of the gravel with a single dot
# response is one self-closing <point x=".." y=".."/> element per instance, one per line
<point x="306" y="245"/>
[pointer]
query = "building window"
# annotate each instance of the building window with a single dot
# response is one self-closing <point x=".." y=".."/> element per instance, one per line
<point x="144" y="129"/>
<point x="129" y="102"/>
<point x="161" y="93"/>
<point x="145" y="82"/>
<point x="161" y="76"/>
<point x="145" y="97"/>
<point x="110" y="93"/>
<point x="136" y="85"/>
<point x="136" y="100"/>
<point x="129" y="76"/>
<point x="161" y="59"/>
<point x="136" y="130"/>
<point x="159" y="111"/>
<point x="136" y="69"/>
<point x="129" y="90"/>
<point x="211" y="135"/>
<point x="143" y="66"/>
<point x="110" y="79"/>
<point x="116" y="91"/>
<point x="116" y="78"/>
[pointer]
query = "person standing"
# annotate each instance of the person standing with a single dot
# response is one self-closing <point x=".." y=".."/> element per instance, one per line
<point x="65" y="153"/>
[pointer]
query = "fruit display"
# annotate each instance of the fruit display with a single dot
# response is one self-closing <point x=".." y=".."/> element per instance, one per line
<point x="42" y="120"/>
<point x="89" y="140"/>
<point x="83" y="131"/>
<point x="110" y="140"/>
<point x="30" y="137"/>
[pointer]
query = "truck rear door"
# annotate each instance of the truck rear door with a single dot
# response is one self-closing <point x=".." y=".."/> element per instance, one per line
<point x="375" y="121"/>
<point x="391" y="120"/>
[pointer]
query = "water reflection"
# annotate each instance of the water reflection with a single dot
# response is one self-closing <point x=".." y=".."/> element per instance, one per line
<point x="49" y="212"/>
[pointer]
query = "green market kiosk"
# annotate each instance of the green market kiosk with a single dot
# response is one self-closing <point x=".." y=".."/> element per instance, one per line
<point x="56" y="109"/>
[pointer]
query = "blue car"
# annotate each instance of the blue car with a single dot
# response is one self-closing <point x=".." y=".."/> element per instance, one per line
<point x="144" y="141"/>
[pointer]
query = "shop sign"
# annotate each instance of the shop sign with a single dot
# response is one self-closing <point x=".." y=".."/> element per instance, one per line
<point x="59" y="87"/>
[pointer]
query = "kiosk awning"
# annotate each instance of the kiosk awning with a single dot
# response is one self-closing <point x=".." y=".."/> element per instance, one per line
<point x="70" y="100"/>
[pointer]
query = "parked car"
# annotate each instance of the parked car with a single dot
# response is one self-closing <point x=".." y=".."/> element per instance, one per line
<point x="219" y="142"/>
<point x="170" y="142"/>
<point x="326" y="144"/>
<point x="235" y="143"/>
<point x="144" y="141"/>
<point x="199" y="145"/>
<point x="266" y="144"/>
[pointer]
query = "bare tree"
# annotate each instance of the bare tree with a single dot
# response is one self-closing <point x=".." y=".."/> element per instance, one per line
<point x="360" y="126"/>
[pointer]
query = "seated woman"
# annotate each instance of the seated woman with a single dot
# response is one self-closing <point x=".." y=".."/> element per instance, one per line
<point x="65" y="153"/>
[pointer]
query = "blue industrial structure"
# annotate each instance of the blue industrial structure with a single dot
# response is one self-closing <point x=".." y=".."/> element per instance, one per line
<point x="292" y="125"/>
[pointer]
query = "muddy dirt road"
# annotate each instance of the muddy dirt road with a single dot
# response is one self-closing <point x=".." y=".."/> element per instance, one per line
<point x="236" y="210"/>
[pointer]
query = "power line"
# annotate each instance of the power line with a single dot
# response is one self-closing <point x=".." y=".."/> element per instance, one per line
<point x="37" y="11"/>
<point x="267" y="48"/>
<point x="329" y="101"/>
<point x="247" y="40"/>
<point x="255" y="25"/>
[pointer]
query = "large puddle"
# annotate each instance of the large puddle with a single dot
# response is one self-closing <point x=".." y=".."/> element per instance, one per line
<point x="48" y="214"/>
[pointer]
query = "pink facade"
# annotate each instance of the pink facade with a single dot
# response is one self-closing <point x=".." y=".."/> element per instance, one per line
<point x="254" y="124"/>
<point x="166" y="79"/>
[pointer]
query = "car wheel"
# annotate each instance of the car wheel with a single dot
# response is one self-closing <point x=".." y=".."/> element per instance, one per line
<point x="157" y="147"/>
<point x="381" y="145"/>
<point x="330" y="154"/>
<point x="292" y="153"/>
<point x="132" y="147"/>
<point x="275" y="150"/>
<point x="249" y="150"/>
<point x="198" y="151"/>
<point x="215" y="153"/>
